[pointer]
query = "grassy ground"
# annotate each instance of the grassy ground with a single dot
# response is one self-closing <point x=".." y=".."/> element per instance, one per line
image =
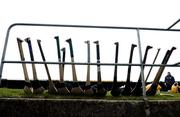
<point x="19" y="93"/>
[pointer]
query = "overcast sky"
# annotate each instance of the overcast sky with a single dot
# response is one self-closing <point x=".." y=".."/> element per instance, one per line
<point x="135" y="13"/>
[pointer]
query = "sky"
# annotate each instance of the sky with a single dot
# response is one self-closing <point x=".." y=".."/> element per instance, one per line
<point x="129" y="13"/>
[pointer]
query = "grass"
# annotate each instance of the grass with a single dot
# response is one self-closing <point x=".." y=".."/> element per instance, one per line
<point x="6" y="92"/>
<point x="19" y="93"/>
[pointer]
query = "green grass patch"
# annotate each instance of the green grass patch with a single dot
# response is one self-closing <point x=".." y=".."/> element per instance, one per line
<point x="6" y="92"/>
<point x="19" y="93"/>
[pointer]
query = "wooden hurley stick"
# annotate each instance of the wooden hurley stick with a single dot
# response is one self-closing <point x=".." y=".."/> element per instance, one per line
<point x="76" y="89"/>
<point x="62" y="89"/>
<point x="153" y="88"/>
<point x="38" y="88"/>
<point x="137" y="90"/>
<point x="51" y="88"/>
<point x="115" y="88"/>
<point x="152" y="63"/>
<point x="100" y="91"/>
<point x="28" y="86"/>
<point x="127" y="89"/>
<point x="63" y="65"/>
<point x="88" y="89"/>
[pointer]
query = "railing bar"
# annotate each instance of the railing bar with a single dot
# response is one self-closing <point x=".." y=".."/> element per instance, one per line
<point x="92" y="26"/>
<point x="85" y="63"/>
<point x="173" y="24"/>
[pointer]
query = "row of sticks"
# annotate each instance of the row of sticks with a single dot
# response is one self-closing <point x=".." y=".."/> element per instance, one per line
<point x="89" y="90"/>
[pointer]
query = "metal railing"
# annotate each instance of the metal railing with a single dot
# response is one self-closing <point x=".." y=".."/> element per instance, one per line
<point x="138" y="29"/>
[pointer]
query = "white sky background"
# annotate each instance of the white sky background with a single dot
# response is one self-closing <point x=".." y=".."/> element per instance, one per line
<point x="139" y="13"/>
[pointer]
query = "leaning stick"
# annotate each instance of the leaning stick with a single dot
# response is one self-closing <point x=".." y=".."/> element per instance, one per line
<point x="59" y="56"/>
<point x="28" y="86"/>
<point x="38" y="88"/>
<point x="115" y="88"/>
<point x="63" y="60"/>
<point x="88" y="89"/>
<point x="76" y="89"/>
<point x="62" y="89"/>
<point x="152" y="90"/>
<point x="65" y="89"/>
<point x="101" y="91"/>
<point x="51" y="88"/>
<point x="88" y="60"/>
<point x="127" y="89"/>
<point x="137" y="90"/>
<point x="152" y="63"/>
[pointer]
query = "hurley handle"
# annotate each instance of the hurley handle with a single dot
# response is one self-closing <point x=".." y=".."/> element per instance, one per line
<point x="71" y="47"/>
<point x="88" y="50"/>
<point x="116" y="54"/>
<point x="137" y="89"/>
<point x="97" y="50"/>
<point x="30" y="48"/>
<point x="32" y="58"/>
<point x="40" y="48"/>
<point x="152" y="63"/>
<point x="145" y="55"/>
<point x="19" y="41"/>
<point x="20" y="49"/>
<point x="130" y="61"/>
<point x="64" y="54"/>
<point x="116" y="60"/>
<point x="43" y="57"/>
<point x="58" y="47"/>
<point x="144" y="60"/>
<point x="165" y="60"/>
<point x="62" y="65"/>
<point x="98" y="61"/>
<point x="131" y="53"/>
<point x="168" y="56"/>
<point x="88" y="60"/>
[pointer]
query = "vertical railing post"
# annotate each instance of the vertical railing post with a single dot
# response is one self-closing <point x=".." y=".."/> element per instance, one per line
<point x="142" y="69"/>
<point x="4" y="52"/>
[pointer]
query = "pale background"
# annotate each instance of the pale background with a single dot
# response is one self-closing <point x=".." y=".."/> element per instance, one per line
<point x="139" y="13"/>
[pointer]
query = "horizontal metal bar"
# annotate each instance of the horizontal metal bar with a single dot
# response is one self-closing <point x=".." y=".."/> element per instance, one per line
<point x="85" y="63"/>
<point x="90" y="26"/>
<point x="173" y="24"/>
